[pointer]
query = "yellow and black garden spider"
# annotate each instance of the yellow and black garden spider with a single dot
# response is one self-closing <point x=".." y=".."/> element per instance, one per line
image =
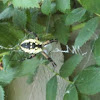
<point x="34" y="46"/>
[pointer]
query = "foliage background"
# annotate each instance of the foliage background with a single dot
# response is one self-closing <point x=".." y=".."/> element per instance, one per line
<point x="52" y="19"/>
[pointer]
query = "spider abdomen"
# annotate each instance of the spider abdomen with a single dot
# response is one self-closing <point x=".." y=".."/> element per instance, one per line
<point x="31" y="46"/>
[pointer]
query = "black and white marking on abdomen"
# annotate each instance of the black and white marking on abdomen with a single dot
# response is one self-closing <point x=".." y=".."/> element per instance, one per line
<point x="26" y="45"/>
<point x="31" y="46"/>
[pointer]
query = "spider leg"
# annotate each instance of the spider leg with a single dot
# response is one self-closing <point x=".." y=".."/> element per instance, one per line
<point x="36" y="37"/>
<point x="47" y="57"/>
<point x="32" y="56"/>
<point x="49" y="41"/>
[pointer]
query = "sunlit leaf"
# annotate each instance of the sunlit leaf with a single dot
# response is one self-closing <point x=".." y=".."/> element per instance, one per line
<point x="26" y="3"/>
<point x="63" y="5"/>
<point x="46" y="7"/>
<point x="86" y="32"/>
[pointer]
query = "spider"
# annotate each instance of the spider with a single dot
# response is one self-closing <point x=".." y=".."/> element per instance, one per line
<point x="34" y="46"/>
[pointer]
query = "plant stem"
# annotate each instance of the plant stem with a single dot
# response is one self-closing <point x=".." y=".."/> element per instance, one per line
<point x="4" y="53"/>
<point x="97" y="14"/>
<point x="77" y="27"/>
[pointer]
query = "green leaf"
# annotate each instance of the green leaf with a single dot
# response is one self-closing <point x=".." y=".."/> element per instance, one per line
<point x="71" y="93"/>
<point x="14" y="66"/>
<point x="61" y="32"/>
<point x="91" y="5"/>
<point x="11" y="34"/>
<point x="63" y="5"/>
<point x="88" y="15"/>
<point x="96" y="51"/>
<point x="75" y="16"/>
<point x="51" y="88"/>
<point x="24" y="66"/>
<point x="2" y="6"/>
<point x="53" y="7"/>
<point x="1" y="93"/>
<point x="46" y="7"/>
<point x="37" y="28"/>
<point x="30" y="79"/>
<point x="26" y="3"/>
<point x="7" y="13"/>
<point x="68" y="67"/>
<point x="8" y="73"/>
<point x="33" y="22"/>
<point x="86" y="32"/>
<point x="29" y="66"/>
<point x="5" y="1"/>
<point x="88" y="81"/>
<point x="20" y="18"/>
<point x="7" y="76"/>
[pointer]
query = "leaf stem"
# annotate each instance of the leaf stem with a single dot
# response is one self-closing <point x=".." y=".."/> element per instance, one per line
<point x="58" y="74"/>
